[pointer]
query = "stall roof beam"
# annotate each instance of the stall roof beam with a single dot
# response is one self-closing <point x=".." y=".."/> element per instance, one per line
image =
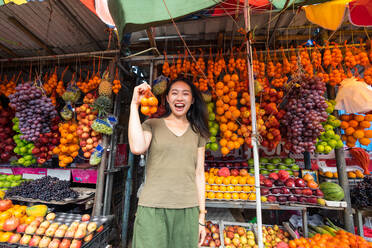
<point x="31" y="35"/>
<point x="77" y="23"/>
<point x="152" y="41"/>
<point x="7" y="50"/>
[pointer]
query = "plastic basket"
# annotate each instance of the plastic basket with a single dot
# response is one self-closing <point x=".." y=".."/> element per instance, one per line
<point x="100" y="240"/>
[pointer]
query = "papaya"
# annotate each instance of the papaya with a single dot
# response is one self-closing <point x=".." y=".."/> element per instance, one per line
<point x="37" y="210"/>
<point x="332" y="191"/>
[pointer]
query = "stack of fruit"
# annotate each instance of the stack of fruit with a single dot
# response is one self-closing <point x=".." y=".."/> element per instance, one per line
<point x="340" y="239"/>
<point x="238" y="236"/>
<point x="329" y="140"/>
<point x="274" y="236"/>
<point x="44" y="146"/>
<point x="212" y="239"/>
<point x="281" y="188"/>
<point x="88" y="138"/>
<point x="361" y="194"/>
<point x="213" y="128"/>
<point x="226" y="184"/>
<point x="274" y="165"/>
<point x="6" y="135"/>
<point x="23" y="148"/>
<point x="355" y="128"/>
<point x="68" y="148"/>
<point x="10" y="181"/>
<point x="351" y="174"/>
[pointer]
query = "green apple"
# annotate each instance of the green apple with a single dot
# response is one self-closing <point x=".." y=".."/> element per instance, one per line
<point x="210" y="105"/>
<point x="7" y="184"/>
<point x="328" y="127"/>
<point x="282" y="167"/>
<point x="251" y="161"/>
<point x="211" y="117"/>
<point x="264" y="172"/>
<point x="208" y="146"/>
<point x="215" y="125"/>
<point x="210" y="124"/>
<point x="323" y="143"/>
<point x="340" y="144"/>
<point x="15" y="184"/>
<point x="212" y="139"/>
<point x="1" y="184"/>
<point x="23" y="150"/>
<point x="327" y="149"/>
<point x="214" y="146"/>
<point x="276" y="160"/>
<point x="332" y="143"/>
<point x="330" y="133"/>
<point x="320" y="148"/>
<point x="251" y="171"/>
<point x="2" y="177"/>
<point x="290" y="172"/>
<point x="295" y="167"/>
<point x="17" y="177"/>
<point x="27" y="163"/>
<point x="288" y="161"/>
<point x="213" y="131"/>
<point x="264" y="160"/>
<point x="270" y="167"/>
<point x="10" y="178"/>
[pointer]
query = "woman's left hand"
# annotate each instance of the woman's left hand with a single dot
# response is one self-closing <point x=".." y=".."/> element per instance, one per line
<point x="202" y="232"/>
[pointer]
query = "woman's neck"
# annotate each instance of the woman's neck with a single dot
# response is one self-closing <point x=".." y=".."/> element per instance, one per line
<point x="172" y="117"/>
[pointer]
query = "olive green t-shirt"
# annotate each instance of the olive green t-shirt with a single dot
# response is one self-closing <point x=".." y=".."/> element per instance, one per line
<point x="170" y="168"/>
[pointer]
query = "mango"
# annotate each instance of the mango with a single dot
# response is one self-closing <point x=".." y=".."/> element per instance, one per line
<point x="37" y="210"/>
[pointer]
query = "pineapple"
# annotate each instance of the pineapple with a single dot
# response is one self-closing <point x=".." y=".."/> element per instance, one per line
<point x="105" y="87"/>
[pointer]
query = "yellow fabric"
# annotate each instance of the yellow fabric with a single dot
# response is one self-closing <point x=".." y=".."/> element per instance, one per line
<point x="18" y="2"/>
<point x="328" y="15"/>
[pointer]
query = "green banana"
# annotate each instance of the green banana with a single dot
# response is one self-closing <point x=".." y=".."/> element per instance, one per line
<point x="329" y="229"/>
<point x="334" y="226"/>
<point x="320" y="230"/>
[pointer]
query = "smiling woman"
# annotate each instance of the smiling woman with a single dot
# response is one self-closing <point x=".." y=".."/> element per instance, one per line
<point x="171" y="211"/>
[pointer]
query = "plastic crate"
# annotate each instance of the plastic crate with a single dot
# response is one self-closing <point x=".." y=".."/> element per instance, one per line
<point x="100" y="240"/>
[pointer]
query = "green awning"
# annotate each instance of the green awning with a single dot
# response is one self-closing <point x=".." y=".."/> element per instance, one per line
<point x="135" y="15"/>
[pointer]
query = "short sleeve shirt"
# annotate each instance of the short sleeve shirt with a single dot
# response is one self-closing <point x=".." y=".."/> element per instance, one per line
<point x="170" y="168"/>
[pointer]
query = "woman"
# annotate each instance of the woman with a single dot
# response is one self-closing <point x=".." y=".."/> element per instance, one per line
<point x="171" y="207"/>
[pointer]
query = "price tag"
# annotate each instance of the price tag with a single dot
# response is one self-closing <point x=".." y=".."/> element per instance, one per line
<point x="32" y="176"/>
<point x="64" y="175"/>
<point x="6" y="171"/>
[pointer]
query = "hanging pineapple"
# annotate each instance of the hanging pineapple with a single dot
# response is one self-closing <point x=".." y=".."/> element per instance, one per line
<point x="105" y="87"/>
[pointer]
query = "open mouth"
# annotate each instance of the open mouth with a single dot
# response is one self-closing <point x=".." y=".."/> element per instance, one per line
<point x="179" y="107"/>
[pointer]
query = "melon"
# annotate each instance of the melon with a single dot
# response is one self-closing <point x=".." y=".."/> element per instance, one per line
<point x="332" y="191"/>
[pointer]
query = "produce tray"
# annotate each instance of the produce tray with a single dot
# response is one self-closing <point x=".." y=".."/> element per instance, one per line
<point x="83" y="194"/>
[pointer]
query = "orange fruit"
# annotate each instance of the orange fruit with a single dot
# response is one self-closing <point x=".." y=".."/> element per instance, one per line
<point x="144" y="101"/>
<point x="215" y="188"/>
<point x="208" y="187"/>
<point x="219" y="195"/>
<point x="228" y="115"/>
<point x="365" y="124"/>
<point x="243" y="196"/>
<point x="368" y="134"/>
<point x="236" y="145"/>
<point x="226" y="78"/>
<point x="235" y="196"/>
<point x="226" y="181"/>
<point x="211" y="195"/>
<point x="145" y="110"/>
<point x="358" y="134"/>
<point x="234" y="181"/>
<point x="230" y="125"/>
<point x="344" y="137"/>
<point x="351" y="139"/>
<point x="233" y="94"/>
<point x="153" y="101"/>
<point x="223" y="188"/>
<point x="236" y="113"/>
<point x="223" y="142"/>
<point x="308" y="177"/>
<point x="344" y="124"/>
<point x="224" y="150"/>
<point x="219" y="85"/>
<point x="230" y="188"/>
<point x="243" y="180"/>
<point x="246" y="188"/>
<point x="345" y="117"/>
<point x="252" y="197"/>
<point x="238" y="188"/>
<point x="349" y="131"/>
<point x="353" y="123"/>
<point x="230" y="145"/>
<point x="351" y="174"/>
<point x="227" y="196"/>
<point x="359" y="118"/>
<point x="328" y="174"/>
<point x="225" y="89"/>
<point x="364" y="141"/>
<point x="292" y="244"/>
<point x="368" y="117"/>
<point x="234" y="77"/>
<point x="250" y="180"/>
<point x="211" y="180"/>
<point x="231" y="84"/>
<point x="219" y="92"/>
<point x="218" y="180"/>
<point x="335" y="174"/>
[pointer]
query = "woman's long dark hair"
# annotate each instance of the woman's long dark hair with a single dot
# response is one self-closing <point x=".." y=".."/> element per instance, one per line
<point x="198" y="112"/>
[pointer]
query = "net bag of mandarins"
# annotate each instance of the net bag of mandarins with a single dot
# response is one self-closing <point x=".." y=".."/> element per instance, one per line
<point x="354" y="96"/>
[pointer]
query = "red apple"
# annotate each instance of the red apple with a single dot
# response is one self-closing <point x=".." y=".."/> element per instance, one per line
<point x="21" y="228"/>
<point x="274" y="176"/>
<point x="11" y="224"/>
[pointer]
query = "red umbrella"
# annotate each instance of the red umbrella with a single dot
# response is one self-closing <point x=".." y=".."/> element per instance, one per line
<point x="360" y="13"/>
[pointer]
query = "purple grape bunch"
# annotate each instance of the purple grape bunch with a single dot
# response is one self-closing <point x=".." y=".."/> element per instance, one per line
<point x="33" y="109"/>
<point x="305" y="112"/>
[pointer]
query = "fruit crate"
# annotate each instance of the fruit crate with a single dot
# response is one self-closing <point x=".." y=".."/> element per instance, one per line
<point x="246" y="226"/>
<point x="255" y="229"/>
<point x="220" y="232"/>
<point x="352" y="181"/>
<point x="100" y="240"/>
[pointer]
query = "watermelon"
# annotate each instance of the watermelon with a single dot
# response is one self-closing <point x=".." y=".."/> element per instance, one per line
<point x="332" y="191"/>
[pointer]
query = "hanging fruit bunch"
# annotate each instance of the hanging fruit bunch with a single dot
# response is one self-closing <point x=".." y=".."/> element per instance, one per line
<point x="149" y="104"/>
<point x="105" y="86"/>
<point x="68" y="148"/>
<point x="60" y="85"/>
<point x="9" y="87"/>
<point x="327" y="57"/>
<point x="306" y="63"/>
<point x="355" y="129"/>
<point x="173" y="70"/>
<point x="293" y="61"/>
<point x="116" y="83"/>
<point x="350" y="60"/>
<point x="88" y="138"/>
<point x="51" y="83"/>
<point x="279" y="78"/>
<point x="166" y="69"/>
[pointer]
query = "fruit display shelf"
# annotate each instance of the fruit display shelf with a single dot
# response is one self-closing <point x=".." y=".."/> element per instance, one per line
<point x="84" y="195"/>
<point x="237" y="232"/>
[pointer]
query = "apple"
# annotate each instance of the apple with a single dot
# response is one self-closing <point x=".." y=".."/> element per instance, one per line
<point x="60" y="233"/>
<point x="65" y="243"/>
<point x="285" y="191"/>
<point x="292" y="198"/>
<point x="218" y="242"/>
<point x="230" y="235"/>
<point x="234" y="172"/>
<point x="45" y="224"/>
<point x="271" y="198"/>
<point x="274" y="176"/>
<point x="264" y="191"/>
<point x="312" y="200"/>
<point x="268" y="183"/>
<point x="290" y="183"/>
<point x="318" y="192"/>
<point x="275" y="191"/>
<point x="31" y="229"/>
<point x="244" y="164"/>
<point x="212" y="243"/>
<point x="299" y="182"/>
<point x="88" y="237"/>
<point x="283" y="175"/>
<point x="40" y="231"/>
<point x="44" y="242"/>
<point x="302" y="199"/>
<point x="75" y="243"/>
<point x="92" y="226"/>
<point x="282" y="198"/>
<point x="227" y="241"/>
<point x="243" y="172"/>
<point x="278" y="183"/>
<point x="85" y="217"/>
<point x="307" y="192"/>
<point x="14" y="238"/>
<point x="100" y="229"/>
<point x="11" y="224"/>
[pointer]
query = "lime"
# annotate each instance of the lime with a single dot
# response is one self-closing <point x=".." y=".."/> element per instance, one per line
<point x="213" y="131"/>
<point x="212" y="139"/>
<point x="212" y="116"/>
<point x="216" y="126"/>
<point x="210" y="123"/>
<point x="214" y="146"/>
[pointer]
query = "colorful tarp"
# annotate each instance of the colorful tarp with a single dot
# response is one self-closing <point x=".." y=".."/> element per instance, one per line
<point x="230" y="6"/>
<point x="360" y="13"/>
<point x="328" y="15"/>
<point x="18" y="2"/>
<point x="130" y="16"/>
<point x="100" y="8"/>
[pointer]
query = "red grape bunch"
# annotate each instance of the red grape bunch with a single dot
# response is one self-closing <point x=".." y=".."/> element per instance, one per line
<point x="305" y="111"/>
<point x="33" y="109"/>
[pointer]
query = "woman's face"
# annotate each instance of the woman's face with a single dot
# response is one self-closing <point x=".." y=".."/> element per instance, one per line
<point x="180" y="98"/>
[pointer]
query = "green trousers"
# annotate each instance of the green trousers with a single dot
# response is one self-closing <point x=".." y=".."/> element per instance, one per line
<point x="166" y="228"/>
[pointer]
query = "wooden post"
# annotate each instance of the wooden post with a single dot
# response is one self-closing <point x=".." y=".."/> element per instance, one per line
<point x="342" y="174"/>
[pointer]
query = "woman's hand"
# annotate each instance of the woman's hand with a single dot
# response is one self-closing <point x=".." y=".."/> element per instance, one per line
<point x="202" y="232"/>
<point x="138" y="92"/>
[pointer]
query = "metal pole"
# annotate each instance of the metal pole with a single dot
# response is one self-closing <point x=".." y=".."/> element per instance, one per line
<point x="307" y="160"/>
<point x="100" y="179"/>
<point x="254" y="127"/>
<point x="342" y="175"/>
<point x="112" y="154"/>
<point x="127" y="196"/>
